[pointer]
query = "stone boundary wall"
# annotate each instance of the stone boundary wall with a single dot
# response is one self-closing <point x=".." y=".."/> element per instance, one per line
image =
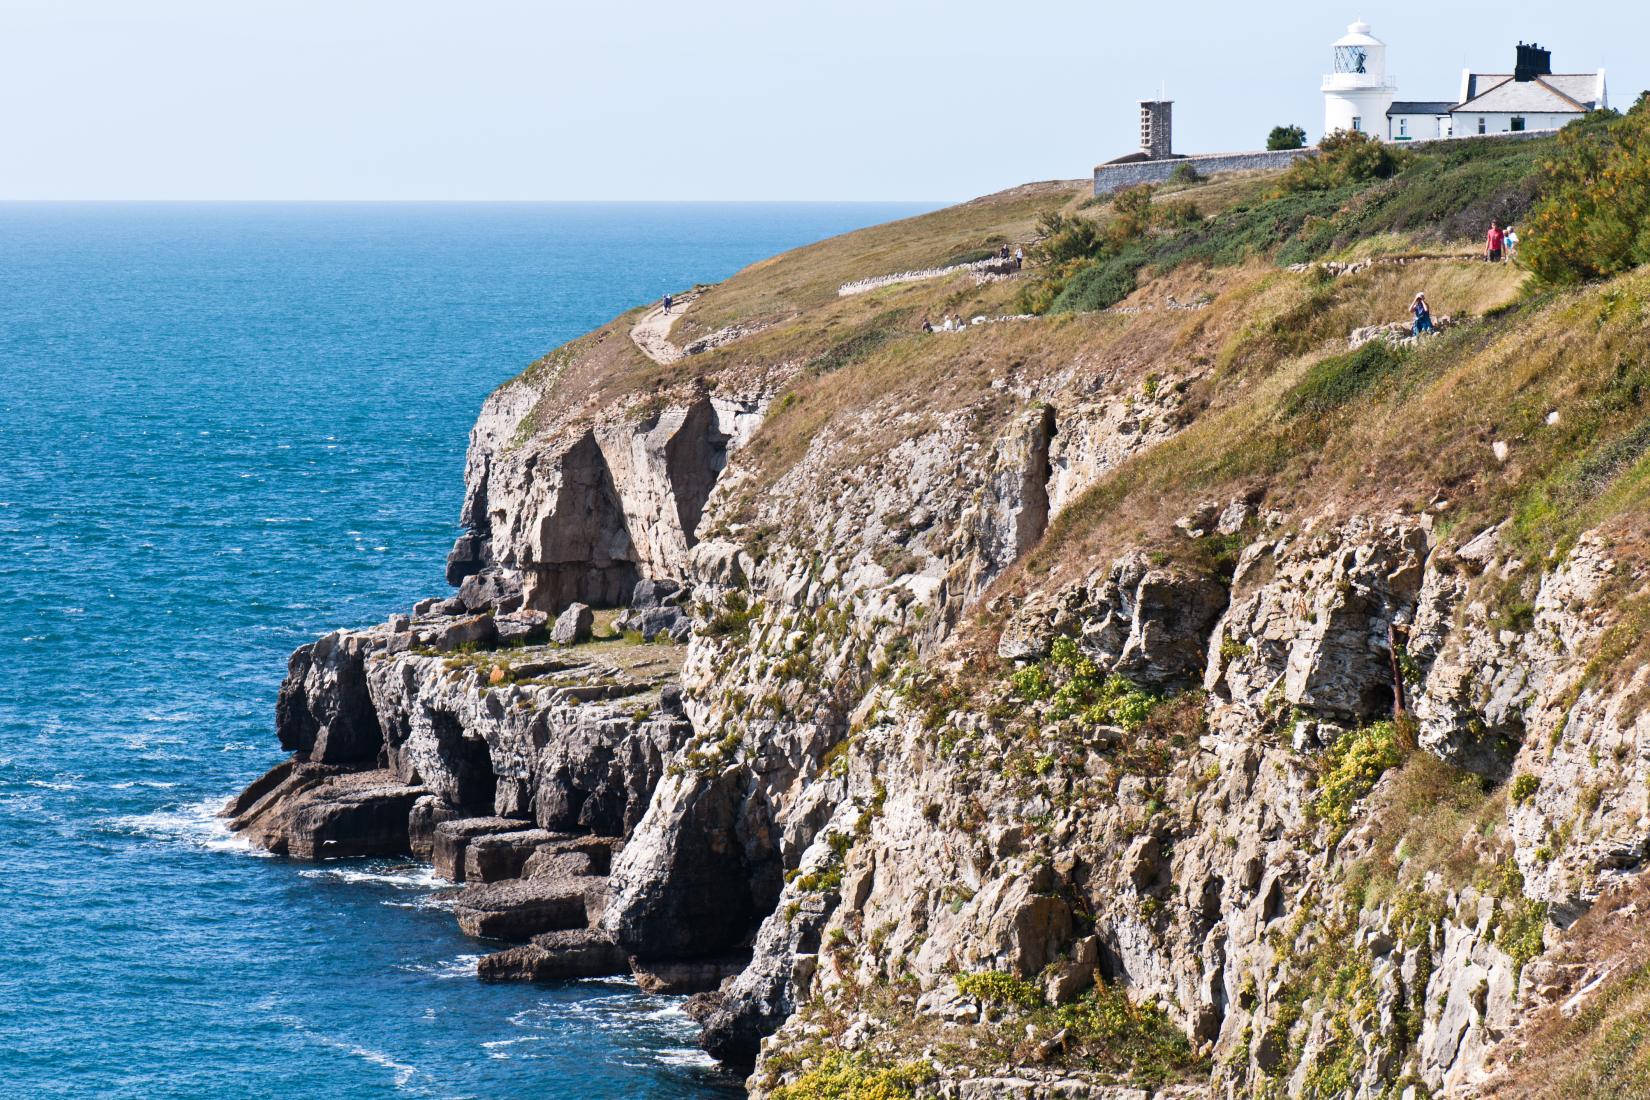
<point x="1114" y="177"/>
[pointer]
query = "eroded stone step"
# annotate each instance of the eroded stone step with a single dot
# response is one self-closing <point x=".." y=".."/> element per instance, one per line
<point x="518" y="909"/>
<point x="556" y="956"/>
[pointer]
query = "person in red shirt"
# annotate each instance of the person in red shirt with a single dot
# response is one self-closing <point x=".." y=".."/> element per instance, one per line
<point x="1494" y="243"/>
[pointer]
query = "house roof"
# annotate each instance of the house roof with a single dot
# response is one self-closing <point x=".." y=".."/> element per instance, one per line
<point x="1421" y="107"/>
<point x="1561" y="93"/>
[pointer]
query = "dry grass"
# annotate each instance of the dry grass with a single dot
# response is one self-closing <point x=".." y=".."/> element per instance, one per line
<point x="1602" y="1048"/>
<point x="806" y="278"/>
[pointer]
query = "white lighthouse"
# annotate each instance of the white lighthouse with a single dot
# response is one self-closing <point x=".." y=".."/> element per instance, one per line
<point x="1358" y="93"/>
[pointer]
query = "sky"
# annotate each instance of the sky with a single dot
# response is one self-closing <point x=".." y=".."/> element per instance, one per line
<point x="696" y="99"/>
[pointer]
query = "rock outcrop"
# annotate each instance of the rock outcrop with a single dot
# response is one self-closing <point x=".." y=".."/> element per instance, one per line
<point x="904" y="734"/>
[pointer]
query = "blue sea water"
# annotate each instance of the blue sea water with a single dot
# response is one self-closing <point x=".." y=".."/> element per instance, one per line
<point x="225" y="429"/>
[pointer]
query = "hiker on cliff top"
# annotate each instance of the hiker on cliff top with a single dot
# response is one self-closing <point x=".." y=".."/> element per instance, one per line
<point x="1494" y="243"/>
<point x="1423" y="315"/>
<point x="668" y="300"/>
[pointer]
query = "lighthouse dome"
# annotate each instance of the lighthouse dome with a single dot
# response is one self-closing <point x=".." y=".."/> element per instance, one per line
<point x="1358" y="35"/>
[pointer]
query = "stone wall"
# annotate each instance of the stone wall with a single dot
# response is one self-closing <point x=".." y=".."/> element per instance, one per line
<point x="1115" y="177"/>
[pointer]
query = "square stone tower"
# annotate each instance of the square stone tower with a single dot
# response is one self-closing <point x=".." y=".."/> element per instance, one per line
<point x="1157" y="128"/>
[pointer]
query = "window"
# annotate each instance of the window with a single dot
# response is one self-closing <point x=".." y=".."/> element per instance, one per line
<point x="1483" y="126"/>
<point x="1357" y="123"/>
<point x="1403" y="127"/>
<point x="1517" y="125"/>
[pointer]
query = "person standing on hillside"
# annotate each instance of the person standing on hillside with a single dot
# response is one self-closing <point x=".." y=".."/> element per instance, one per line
<point x="1494" y="243"/>
<point x="668" y="300"/>
<point x="1423" y="315"/>
<point x="1509" y="242"/>
<point x="1019" y="258"/>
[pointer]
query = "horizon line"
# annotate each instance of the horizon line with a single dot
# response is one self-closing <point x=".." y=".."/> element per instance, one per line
<point x="478" y="201"/>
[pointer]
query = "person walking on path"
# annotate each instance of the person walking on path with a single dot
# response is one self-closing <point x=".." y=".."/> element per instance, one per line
<point x="668" y="300"/>
<point x="1423" y="315"/>
<point x="1509" y="241"/>
<point x="1494" y="243"/>
<point x="1019" y="258"/>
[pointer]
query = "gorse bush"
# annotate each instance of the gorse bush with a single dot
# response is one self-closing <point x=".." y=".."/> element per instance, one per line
<point x="1593" y="220"/>
<point x="1346" y="156"/>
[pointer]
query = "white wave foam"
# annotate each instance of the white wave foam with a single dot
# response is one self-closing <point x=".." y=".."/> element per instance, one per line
<point x="410" y="876"/>
<point x="463" y="966"/>
<point x="197" y="825"/>
<point x="687" y="1058"/>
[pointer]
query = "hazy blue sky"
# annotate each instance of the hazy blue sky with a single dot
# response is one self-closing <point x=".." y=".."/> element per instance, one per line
<point x="719" y="99"/>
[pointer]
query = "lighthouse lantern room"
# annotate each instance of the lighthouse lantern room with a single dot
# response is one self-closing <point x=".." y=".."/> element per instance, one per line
<point x="1358" y="93"/>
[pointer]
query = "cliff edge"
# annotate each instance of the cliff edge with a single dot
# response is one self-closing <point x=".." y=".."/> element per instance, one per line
<point x="1171" y="680"/>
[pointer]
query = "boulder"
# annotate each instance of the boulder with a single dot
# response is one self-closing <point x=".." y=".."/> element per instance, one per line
<point x="495" y="856"/>
<point x="452" y="839"/>
<point x="471" y="553"/>
<point x="557" y="856"/>
<point x="477" y="630"/>
<point x="652" y="593"/>
<point x="521" y="627"/>
<point x="310" y="811"/>
<point x="518" y="909"/>
<point x="573" y="625"/>
<point x="486" y="590"/>
<point x="653" y="622"/>
<point x="324" y="711"/>
<point x="555" y="956"/>
<point x="427" y="813"/>
<point x="688" y="975"/>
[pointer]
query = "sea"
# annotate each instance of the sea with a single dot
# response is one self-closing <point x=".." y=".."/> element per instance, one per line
<point x="226" y="429"/>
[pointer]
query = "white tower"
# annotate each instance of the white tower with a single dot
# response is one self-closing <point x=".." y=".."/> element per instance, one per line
<point x="1358" y="93"/>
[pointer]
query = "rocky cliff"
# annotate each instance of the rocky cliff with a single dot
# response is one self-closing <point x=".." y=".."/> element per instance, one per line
<point x="1163" y="700"/>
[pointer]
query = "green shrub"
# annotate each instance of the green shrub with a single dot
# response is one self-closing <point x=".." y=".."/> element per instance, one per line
<point x="1523" y="789"/>
<point x="1071" y="686"/>
<point x="1100" y="285"/>
<point x="1132" y="1035"/>
<point x="733" y="620"/>
<point x="1339" y="379"/>
<point x="1344" y="157"/>
<point x="995" y="987"/>
<point x="843" y="1077"/>
<point x="1593" y="220"/>
<point x="1286" y="137"/>
<point x="1352" y="767"/>
<point x="1185" y="174"/>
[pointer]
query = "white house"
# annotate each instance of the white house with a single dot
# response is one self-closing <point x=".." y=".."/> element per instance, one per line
<point x="1531" y="97"/>
<point x="1361" y="95"/>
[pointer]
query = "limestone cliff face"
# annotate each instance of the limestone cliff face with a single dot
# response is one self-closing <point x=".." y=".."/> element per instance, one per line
<point x="835" y="750"/>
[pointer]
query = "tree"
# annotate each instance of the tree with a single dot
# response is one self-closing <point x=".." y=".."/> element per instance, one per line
<point x="1286" y="137"/>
